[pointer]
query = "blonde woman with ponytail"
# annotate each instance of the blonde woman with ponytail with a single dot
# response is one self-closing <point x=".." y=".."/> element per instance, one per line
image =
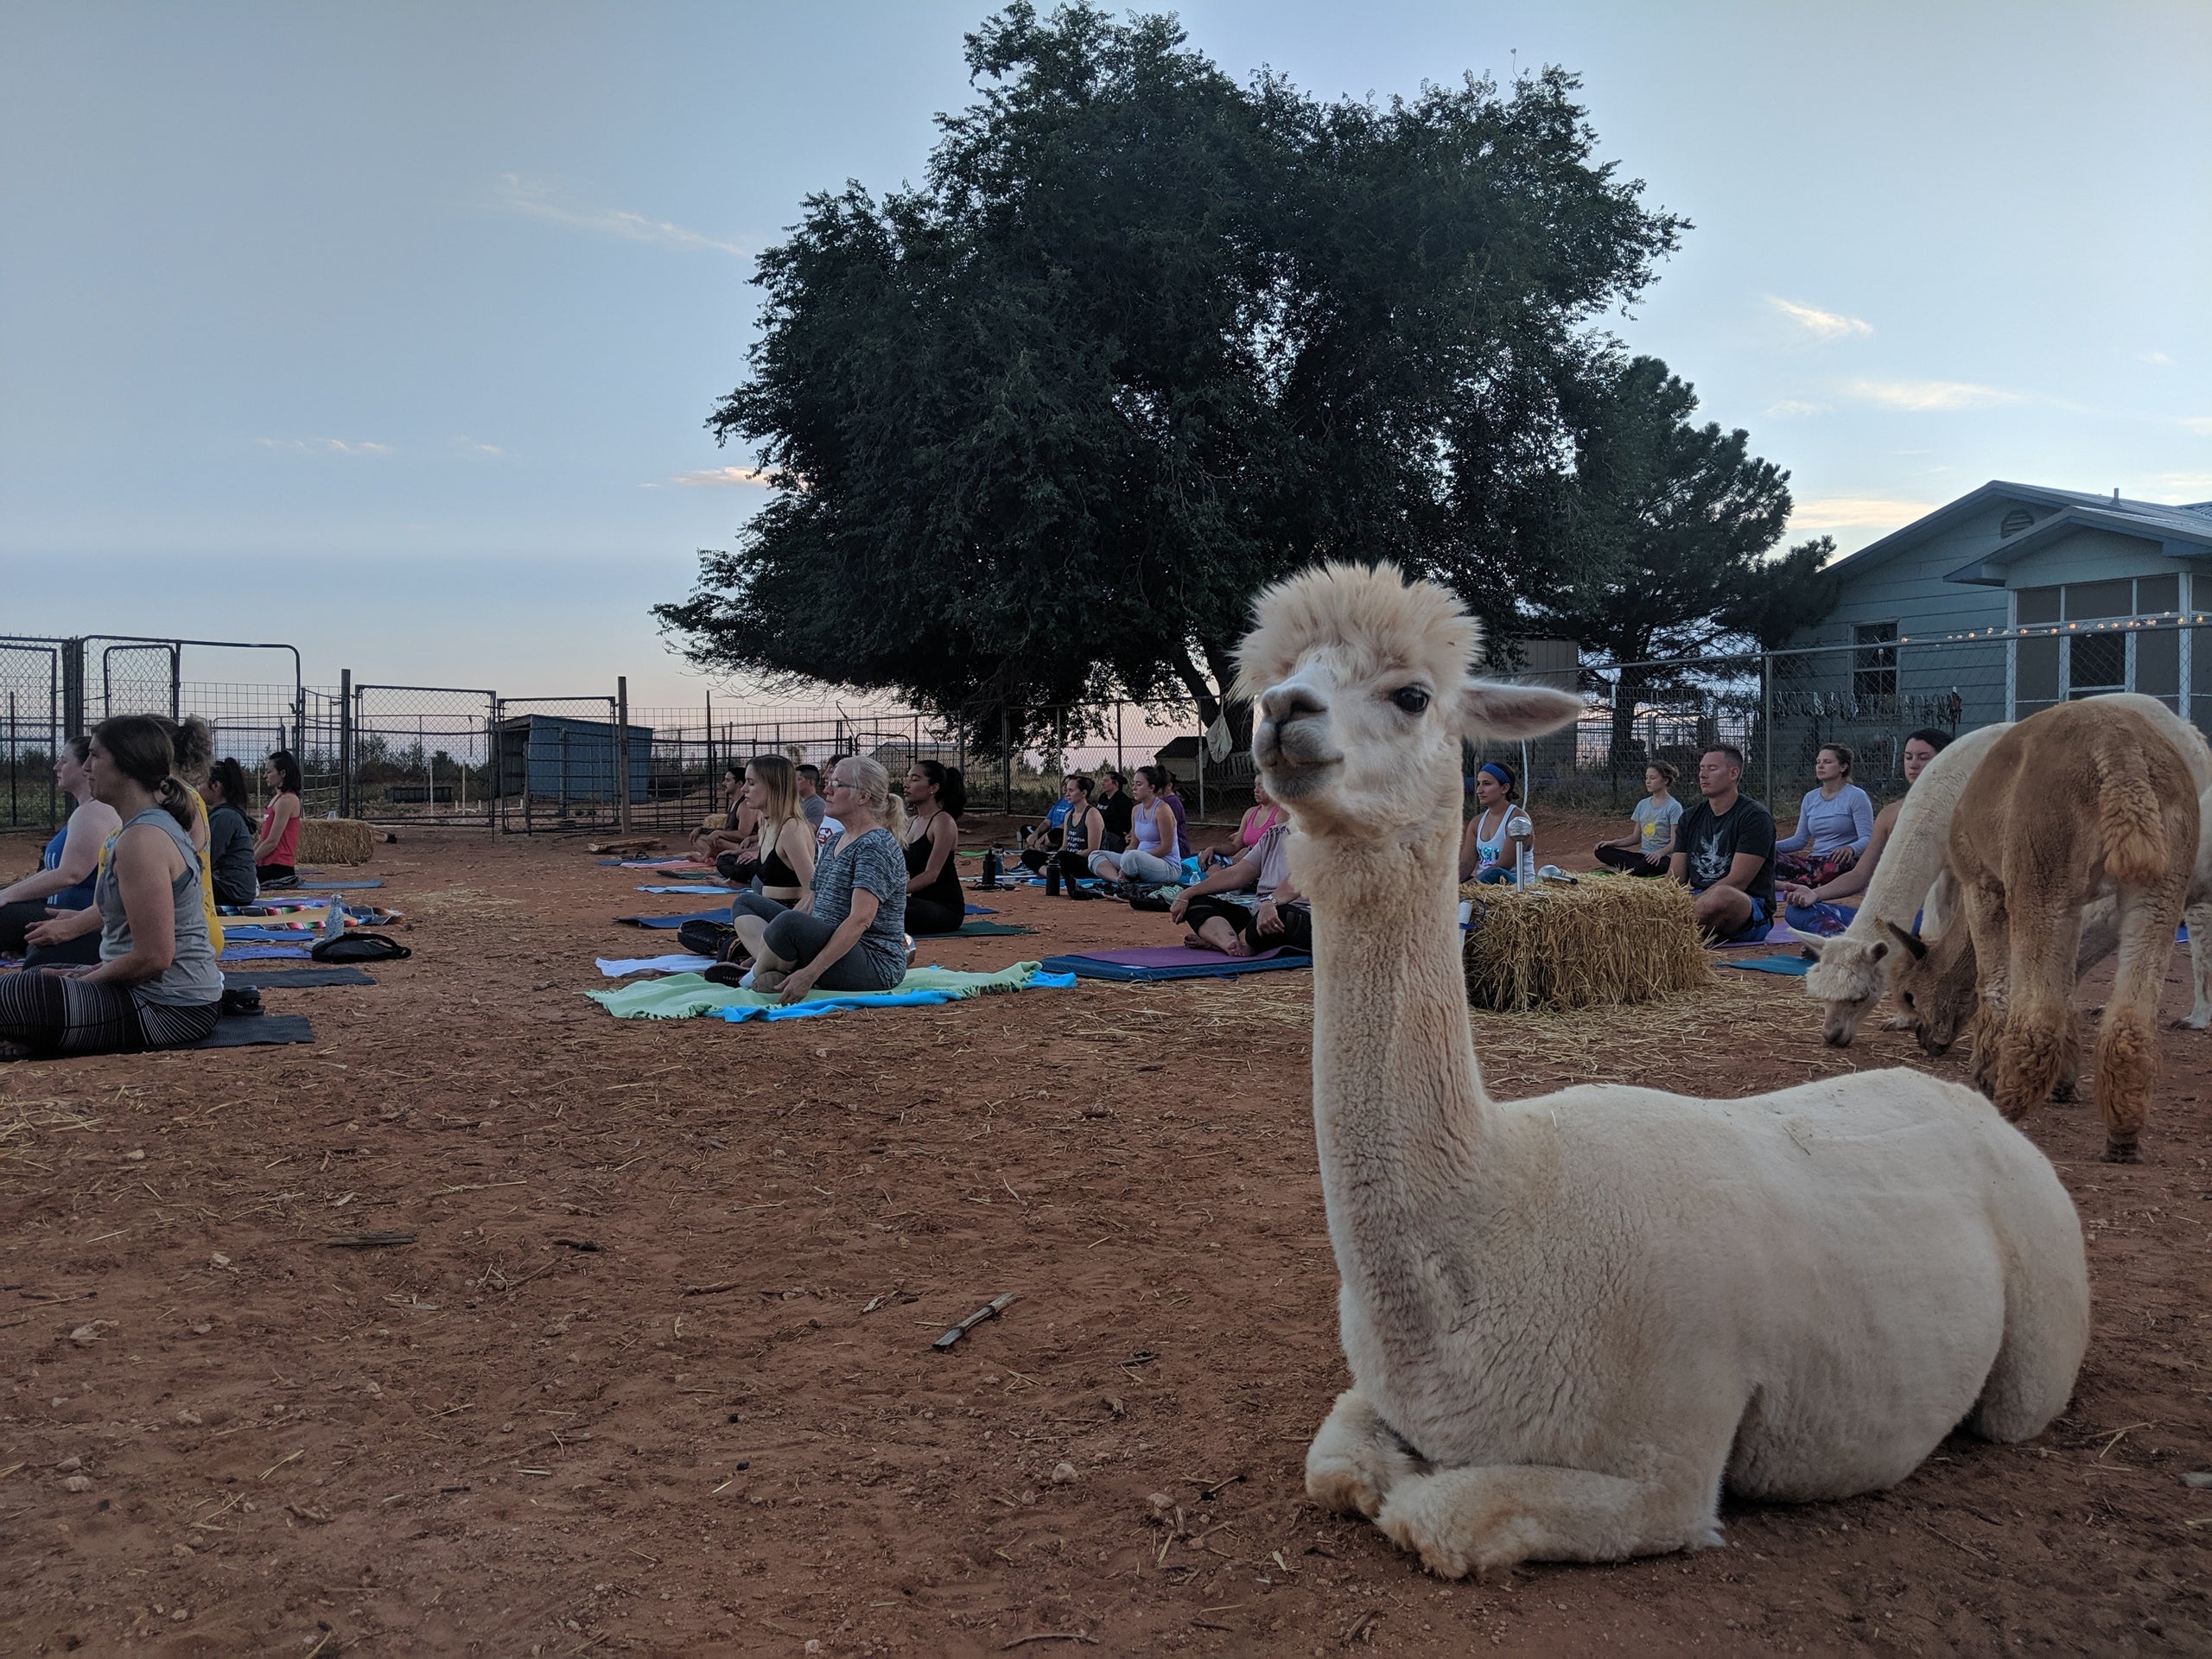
<point x="848" y="933"/>
<point x="156" y="985"/>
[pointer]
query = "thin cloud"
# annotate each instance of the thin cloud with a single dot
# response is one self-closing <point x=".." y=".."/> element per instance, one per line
<point x="534" y="198"/>
<point x="326" y="446"/>
<point x="1823" y="325"/>
<point x="469" y="446"/>
<point x="1923" y="397"/>
<point x="1856" y="512"/>
<point x="2200" y="424"/>
<point x="2157" y="358"/>
<point x="720" y="477"/>
<point x="2192" y="486"/>
<point x="1790" y="406"/>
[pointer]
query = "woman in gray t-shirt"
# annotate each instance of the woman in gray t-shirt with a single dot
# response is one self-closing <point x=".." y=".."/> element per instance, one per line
<point x="848" y="933"/>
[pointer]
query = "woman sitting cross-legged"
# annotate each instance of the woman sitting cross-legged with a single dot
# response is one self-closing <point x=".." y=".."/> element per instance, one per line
<point x="276" y="850"/>
<point x="1490" y="849"/>
<point x="1040" y="842"/>
<point x="1259" y="817"/>
<point x="230" y="834"/>
<point x="156" y="985"/>
<point x="849" y="933"/>
<point x="63" y="882"/>
<point x="935" y="797"/>
<point x="1080" y="834"/>
<point x="1281" y="917"/>
<point x="1155" y="852"/>
<point x="1834" y="823"/>
<point x="1650" y="838"/>
<point x="771" y="792"/>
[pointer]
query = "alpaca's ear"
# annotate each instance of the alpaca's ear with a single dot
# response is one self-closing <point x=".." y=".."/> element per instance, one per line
<point x="1497" y="708"/>
<point x="1812" y="942"/>
<point x="1911" y="942"/>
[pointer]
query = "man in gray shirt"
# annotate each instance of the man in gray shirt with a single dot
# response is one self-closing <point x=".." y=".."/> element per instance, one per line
<point x="810" y="796"/>
<point x="1281" y="917"/>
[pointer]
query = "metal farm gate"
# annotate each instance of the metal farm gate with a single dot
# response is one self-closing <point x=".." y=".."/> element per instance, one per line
<point x="30" y="685"/>
<point x="418" y="752"/>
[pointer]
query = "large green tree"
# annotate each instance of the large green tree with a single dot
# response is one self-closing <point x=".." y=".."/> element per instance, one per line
<point x="1659" y="534"/>
<point x="1141" y="341"/>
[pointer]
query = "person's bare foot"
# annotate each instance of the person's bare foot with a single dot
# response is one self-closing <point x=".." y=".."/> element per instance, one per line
<point x="1237" y="946"/>
<point x="767" y="980"/>
<point x="1198" y="942"/>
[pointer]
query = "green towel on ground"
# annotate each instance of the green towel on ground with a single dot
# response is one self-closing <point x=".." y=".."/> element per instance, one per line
<point x="681" y="996"/>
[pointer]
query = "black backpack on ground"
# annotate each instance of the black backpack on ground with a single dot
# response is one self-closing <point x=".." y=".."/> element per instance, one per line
<point x="360" y="947"/>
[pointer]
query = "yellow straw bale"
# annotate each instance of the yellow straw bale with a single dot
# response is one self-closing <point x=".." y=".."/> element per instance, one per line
<point x="335" y="840"/>
<point x="1604" y="940"/>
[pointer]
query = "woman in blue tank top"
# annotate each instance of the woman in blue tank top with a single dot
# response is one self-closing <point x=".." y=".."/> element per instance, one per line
<point x="63" y="882"/>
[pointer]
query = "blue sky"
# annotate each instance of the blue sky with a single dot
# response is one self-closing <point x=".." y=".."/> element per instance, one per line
<point x="391" y="330"/>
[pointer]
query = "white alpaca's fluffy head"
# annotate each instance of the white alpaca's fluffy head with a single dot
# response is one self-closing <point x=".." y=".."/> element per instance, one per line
<point x="1849" y="978"/>
<point x="1362" y="688"/>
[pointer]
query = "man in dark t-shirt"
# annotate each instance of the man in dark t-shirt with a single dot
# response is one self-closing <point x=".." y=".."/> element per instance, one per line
<point x="1724" y="848"/>
<point x="1115" y="807"/>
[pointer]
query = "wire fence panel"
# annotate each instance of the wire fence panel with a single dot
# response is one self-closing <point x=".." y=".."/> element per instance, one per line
<point x="30" y="706"/>
<point x="419" y="753"/>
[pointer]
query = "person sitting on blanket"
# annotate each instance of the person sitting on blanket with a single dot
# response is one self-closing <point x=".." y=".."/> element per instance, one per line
<point x="63" y="882"/>
<point x="771" y="793"/>
<point x="230" y="834"/>
<point x="1153" y="852"/>
<point x="1650" y="839"/>
<point x="731" y="791"/>
<point x="276" y="850"/>
<point x="935" y="797"/>
<point x="1280" y="917"/>
<point x="1115" y="810"/>
<point x="1080" y="834"/>
<point x="849" y="933"/>
<point x="1834" y="823"/>
<point x="1044" y="839"/>
<point x="1819" y="909"/>
<point x="1724" y="848"/>
<point x="1489" y="850"/>
<point x="1259" y="817"/>
<point x="156" y="985"/>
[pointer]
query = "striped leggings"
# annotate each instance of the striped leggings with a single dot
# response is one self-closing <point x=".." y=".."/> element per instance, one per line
<point x="55" y="1014"/>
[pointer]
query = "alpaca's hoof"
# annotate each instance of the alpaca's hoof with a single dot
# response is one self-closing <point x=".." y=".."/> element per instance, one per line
<point x="1343" y="1487"/>
<point x="2122" y="1152"/>
<point x="2192" y="1021"/>
<point x="1434" y="1520"/>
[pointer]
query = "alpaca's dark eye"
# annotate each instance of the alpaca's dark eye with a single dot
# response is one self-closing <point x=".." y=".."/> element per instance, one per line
<point x="1907" y="995"/>
<point x="1411" y="698"/>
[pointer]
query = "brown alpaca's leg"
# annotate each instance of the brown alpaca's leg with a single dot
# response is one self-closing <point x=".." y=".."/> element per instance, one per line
<point x="1984" y="917"/>
<point x="2127" y="1044"/>
<point x="2039" y="1022"/>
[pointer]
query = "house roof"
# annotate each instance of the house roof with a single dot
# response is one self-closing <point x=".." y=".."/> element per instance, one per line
<point x="2190" y="525"/>
<point x="2182" y="541"/>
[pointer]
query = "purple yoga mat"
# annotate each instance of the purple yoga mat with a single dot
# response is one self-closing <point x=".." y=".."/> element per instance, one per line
<point x="1174" y="956"/>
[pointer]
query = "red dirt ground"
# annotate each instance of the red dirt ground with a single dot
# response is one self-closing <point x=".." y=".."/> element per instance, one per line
<point x="655" y="1374"/>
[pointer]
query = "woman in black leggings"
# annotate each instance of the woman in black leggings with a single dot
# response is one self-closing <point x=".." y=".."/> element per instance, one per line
<point x="1081" y="836"/>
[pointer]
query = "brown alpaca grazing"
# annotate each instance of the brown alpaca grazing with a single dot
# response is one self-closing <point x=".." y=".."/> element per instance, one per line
<point x="2079" y="802"/>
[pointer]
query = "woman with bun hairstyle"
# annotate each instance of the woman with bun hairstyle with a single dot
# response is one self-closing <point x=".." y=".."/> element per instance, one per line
<point x="230" y="834"/>
<point x="935" y="797"/>
<point x="276" y="851"/>
<point x="1154" y="853"/>
<point x="156" y="985"/>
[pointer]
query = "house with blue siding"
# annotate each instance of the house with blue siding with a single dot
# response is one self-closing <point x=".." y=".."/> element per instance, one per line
<point x="2009" y="600"/>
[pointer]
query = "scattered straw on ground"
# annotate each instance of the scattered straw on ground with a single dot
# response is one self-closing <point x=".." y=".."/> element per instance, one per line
<point x="1601" y="941"/>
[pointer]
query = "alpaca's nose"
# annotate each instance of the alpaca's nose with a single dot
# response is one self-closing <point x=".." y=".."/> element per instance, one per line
<point x="1281" y="704"/>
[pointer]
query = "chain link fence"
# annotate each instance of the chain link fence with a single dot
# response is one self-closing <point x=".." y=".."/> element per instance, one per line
<point x="473" y="758"/>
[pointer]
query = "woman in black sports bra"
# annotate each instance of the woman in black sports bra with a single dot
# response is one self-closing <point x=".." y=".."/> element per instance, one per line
<point x="935" y="797"/>
<point x="786" y="863"/>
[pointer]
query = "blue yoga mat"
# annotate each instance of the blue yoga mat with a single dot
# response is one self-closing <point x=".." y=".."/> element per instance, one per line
<point x="333" y="887"/>
<point x="721" y="915"/>
<point x="1793" y="966"/>
<point x="262" y="953"/>
<point x="1169" y="961"/>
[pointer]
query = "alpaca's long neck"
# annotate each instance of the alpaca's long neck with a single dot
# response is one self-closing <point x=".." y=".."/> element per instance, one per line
<point x="1399" y="1109"/>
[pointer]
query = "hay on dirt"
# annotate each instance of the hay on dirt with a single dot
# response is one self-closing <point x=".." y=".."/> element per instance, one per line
<point x="1601" y="941"/>
<point x="335" y="840"/>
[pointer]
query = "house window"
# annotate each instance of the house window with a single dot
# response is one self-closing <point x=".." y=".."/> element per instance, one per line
<point x="2091" y="658"/>
<point x="1875" y="666"/>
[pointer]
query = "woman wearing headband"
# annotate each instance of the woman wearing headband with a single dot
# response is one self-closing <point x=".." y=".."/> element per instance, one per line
<point x="1490" y="849"/>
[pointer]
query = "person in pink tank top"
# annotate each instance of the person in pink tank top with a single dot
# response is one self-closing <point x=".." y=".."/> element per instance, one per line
<point x="276" y="848"/>
<point x="1260" y="817"/>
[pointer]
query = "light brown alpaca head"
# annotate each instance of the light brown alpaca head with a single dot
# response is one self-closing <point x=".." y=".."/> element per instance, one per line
<point x="1362" y="688"/>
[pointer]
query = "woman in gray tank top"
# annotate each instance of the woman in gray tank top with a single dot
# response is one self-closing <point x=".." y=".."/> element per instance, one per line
<point x="158" y="985"/>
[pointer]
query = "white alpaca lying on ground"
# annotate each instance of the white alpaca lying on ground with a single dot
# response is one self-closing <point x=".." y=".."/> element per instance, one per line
<point x="1570" y="1320"/>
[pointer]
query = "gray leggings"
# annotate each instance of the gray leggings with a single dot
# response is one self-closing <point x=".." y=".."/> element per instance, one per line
<point x="1140" y="867"/>
<point x="757" y="904"/>
<point x="798" y="937"/>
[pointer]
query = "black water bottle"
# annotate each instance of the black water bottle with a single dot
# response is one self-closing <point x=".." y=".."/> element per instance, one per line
<point x="1052" y="879"/>
<point x="990" y="868"/>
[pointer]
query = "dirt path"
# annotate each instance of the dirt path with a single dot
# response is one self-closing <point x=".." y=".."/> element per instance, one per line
<point x="656" y="1374"/>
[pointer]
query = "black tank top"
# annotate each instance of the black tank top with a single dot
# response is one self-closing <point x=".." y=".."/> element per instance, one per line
<point x="771" y="869"/>
<point x="946" y="889"/>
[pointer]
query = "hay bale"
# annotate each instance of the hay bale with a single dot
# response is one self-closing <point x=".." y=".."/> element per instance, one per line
<point x="335" y="840"/>
<point x="1605" y="940"/>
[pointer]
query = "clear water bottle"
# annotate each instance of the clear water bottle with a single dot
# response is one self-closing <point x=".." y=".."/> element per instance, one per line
<point x="333" y="920"/>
